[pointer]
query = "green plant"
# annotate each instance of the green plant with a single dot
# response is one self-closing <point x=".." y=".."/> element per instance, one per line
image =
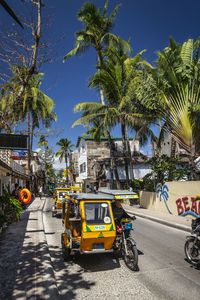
<point x="10" y="208"/>
<point x="164" y="169"/>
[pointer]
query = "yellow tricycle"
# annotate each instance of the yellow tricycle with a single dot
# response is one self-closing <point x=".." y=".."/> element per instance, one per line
<point x="59" y="195"/>
<point x="90" y="227"/>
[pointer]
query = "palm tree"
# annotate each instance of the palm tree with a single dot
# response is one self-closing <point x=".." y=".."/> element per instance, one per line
<point x="116" y="76"/>
<point x="64" y="151"/>
<point x="33" y="106"/>
<point x="96" y="129"/>
<point x="91" y="111"/>
<point x="174" y="87"/>
<point x="43" y="142"/>
<point x="96" y="31"/>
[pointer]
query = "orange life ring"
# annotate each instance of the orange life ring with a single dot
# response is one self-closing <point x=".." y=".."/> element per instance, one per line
<point x="25" y="196"/>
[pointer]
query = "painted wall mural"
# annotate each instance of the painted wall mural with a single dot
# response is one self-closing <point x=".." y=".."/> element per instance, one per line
<point x="185" y="205"/>
<point x="188" y="206"/>
<point x="163" y="191"/>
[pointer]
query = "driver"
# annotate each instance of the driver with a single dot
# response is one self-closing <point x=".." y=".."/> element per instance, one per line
<point x="118" y="211"/>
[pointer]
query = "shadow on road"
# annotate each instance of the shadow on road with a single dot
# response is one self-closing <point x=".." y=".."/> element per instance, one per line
<point x="68" y="281"/>
<point x="11" y="242"/>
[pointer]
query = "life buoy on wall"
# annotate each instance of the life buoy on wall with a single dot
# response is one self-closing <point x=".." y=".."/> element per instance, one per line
<point x="25" y="196"/>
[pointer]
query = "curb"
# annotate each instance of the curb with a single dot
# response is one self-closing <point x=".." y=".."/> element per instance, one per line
<point x="161" y="221"/>
<point x="49" y="277"/>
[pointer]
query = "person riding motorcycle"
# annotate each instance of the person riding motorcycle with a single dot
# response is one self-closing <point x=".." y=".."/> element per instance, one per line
<point x="119" y="213"/>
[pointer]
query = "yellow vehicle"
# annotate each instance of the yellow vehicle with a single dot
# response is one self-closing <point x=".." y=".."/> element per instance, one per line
<point x="59" y="195"/>
<point x="90" y="227"/>
<point x="89" y="224"/>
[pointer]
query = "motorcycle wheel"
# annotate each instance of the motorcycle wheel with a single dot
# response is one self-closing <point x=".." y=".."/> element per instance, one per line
<point x="131" y="260"/>
<point x="192" y="253"/>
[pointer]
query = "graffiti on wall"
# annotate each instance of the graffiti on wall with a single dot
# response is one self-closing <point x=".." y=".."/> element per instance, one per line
<point x="163" y="192"/>
<point x="185" y="205"/>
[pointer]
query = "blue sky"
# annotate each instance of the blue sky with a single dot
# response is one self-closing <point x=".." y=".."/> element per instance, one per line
<point x="148" y="24"/>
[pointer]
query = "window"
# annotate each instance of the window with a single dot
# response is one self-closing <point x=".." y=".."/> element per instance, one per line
<point x="62" y="195"/>
<point x="97" y="213"/>
<point x="82" y="167"/>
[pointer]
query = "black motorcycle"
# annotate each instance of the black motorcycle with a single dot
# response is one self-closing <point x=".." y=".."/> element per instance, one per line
<point x="192" y="244"/>
<point x="126" y="244"/>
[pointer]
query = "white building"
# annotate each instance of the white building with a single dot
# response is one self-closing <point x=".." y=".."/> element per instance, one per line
<point x="94" y="159"/>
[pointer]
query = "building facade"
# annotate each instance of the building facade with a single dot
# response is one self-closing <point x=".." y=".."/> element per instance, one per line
<point x="94" y="162"/>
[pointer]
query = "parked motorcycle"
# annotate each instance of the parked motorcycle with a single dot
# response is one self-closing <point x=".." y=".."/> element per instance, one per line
<point x="192" y="244"/>
<point x="126" y="244"/>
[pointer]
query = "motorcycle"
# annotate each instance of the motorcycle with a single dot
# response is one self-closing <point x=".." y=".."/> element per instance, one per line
<point x="126" y="244"/>
<point x="192" y="244"/>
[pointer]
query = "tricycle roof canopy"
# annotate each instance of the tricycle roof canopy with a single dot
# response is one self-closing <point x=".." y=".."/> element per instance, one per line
<point x="90" y="196"/>
<point x="119" y="194"/>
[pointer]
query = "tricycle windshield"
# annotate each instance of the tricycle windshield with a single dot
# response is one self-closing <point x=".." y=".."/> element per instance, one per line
<point x="62" y="195"/>
<point x="97" y="213"/>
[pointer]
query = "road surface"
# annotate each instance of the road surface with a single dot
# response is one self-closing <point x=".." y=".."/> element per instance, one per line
<point x="163" y="271"/>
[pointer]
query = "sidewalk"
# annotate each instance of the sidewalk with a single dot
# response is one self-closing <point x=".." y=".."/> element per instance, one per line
<point x="182" y="223"/>
<point x="26" y="271"/>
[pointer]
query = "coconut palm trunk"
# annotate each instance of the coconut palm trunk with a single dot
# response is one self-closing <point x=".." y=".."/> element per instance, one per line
<point x="29" y="144"/>
<point x="125" y="151"/>
<point x="100" y="88"/>
<point x="192" y="168"/>
<point x="67" y="178"/>
<point x="113" y="161"/>
<point x="32" y="129"/>
<point x="129" y="153"/>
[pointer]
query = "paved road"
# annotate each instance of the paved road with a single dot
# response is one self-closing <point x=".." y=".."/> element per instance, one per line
<point x="163" y="274"/>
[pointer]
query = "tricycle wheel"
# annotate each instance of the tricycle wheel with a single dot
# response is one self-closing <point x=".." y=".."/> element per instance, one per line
<point x="65" y="250"/>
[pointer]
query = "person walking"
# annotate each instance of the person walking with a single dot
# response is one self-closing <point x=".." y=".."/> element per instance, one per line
<point x="130" y="200"/>
<point x="40" y="192"/>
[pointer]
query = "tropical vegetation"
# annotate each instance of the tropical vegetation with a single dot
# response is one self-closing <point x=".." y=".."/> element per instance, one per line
<point x="95" y="33"/>
<point x="64" y="152"/>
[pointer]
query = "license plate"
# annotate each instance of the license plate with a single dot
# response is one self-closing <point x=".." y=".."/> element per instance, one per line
<point x="98" y="246"/>
<point x="99" y="227"/>
<point x="128" y="226"/>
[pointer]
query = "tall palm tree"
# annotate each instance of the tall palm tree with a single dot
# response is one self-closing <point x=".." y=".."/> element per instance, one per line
<point x="91" y="111"/>
<point x="64" y="151"/>
<point x="95" y="33"/>
<point x="116" y="76"/>
<point x="33" y="106"/>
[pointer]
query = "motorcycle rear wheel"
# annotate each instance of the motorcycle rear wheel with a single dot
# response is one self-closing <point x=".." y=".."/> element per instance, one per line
<point x="192" y="252"/>
<point x="131" y="260"/>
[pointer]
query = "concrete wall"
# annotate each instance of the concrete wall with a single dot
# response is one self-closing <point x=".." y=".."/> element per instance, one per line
<point x="177" y="198"/>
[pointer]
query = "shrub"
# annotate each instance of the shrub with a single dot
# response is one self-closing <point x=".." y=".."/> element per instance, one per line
<point x="10" y="209"/>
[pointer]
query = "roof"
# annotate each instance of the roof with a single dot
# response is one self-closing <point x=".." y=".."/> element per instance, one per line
<point x="90" y="196"/>
<point x="116" y="192"/>
<point x="86" y="138"/>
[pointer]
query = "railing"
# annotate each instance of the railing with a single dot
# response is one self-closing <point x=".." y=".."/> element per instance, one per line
<point x="17" y="167"/>
<point x="5" y="157"/>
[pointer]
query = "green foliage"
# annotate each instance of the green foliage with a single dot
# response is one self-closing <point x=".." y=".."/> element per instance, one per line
<point x="46" y="159"/>
<point x="10" y="208"/>
<point x="164" y="169"/>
